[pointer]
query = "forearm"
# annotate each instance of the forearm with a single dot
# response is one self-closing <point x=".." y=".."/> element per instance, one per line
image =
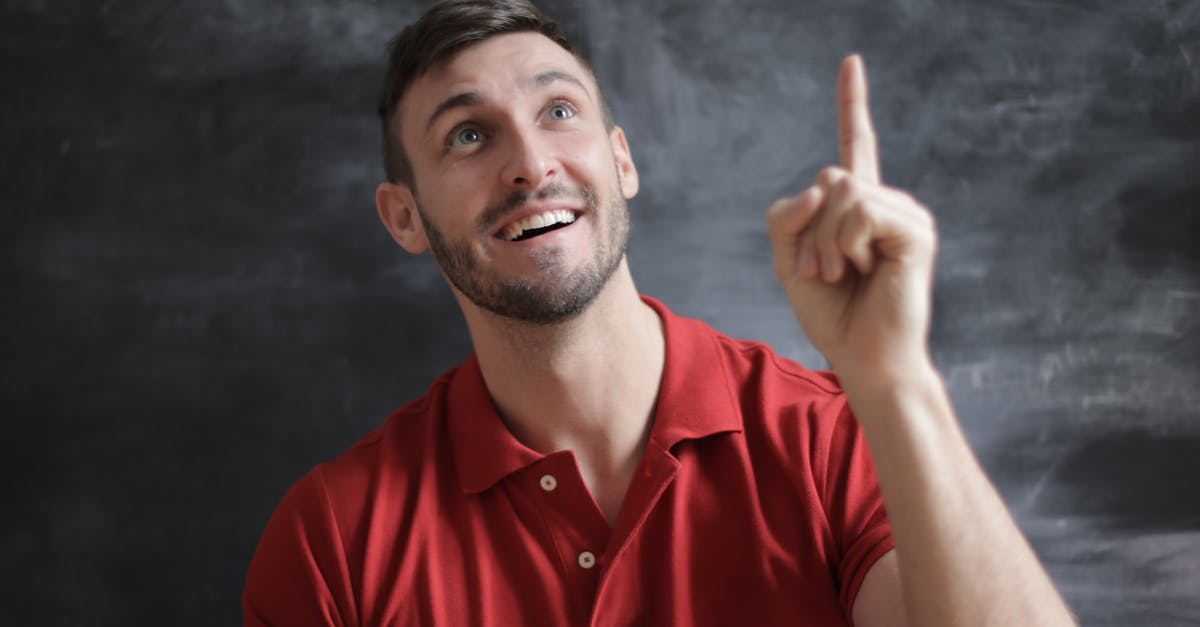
<point x="963" y="561"/>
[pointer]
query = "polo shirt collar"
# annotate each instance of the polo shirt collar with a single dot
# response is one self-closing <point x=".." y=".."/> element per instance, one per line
<point x="695" y="400"/>
<point x="485" y="451"/>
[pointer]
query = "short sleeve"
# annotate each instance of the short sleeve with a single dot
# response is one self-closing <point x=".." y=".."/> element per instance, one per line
<point x="298" y="576"/>
<point x="853" y="505"/>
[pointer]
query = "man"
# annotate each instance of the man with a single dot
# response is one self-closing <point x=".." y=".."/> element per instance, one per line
<point x="598" y="460"/>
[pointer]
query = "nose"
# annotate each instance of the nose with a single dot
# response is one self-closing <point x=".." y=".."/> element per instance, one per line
<point x="530" y="160"/>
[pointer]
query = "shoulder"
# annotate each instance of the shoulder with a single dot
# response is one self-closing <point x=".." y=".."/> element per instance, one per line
<point x="410" y="443"/>
<point x="779" y="401"/>
<point x="792" y="414"/>
<point x="698" y="347"/>
<point x="755" y="362"/>
<point x="314" y="541"/>
<point x="764" y="380"/>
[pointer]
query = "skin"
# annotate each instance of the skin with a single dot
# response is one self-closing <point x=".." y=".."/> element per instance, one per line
<point x="854" y="256"/>
<point x="617" y="342"/>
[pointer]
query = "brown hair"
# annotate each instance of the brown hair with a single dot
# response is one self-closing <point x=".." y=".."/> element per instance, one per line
<point x="445" y="29"/>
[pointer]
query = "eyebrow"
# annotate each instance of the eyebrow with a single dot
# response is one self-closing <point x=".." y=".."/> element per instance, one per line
<point x="466" y="99"/>
<point x="471" y="98"/>
<point x="550" y="76"/>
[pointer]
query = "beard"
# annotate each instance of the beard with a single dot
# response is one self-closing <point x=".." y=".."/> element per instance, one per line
<point x="559" y="292"/>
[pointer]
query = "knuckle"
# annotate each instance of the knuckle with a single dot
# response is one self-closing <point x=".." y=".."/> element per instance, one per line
<point x="927" y="219"/>
<point x="927" y="231"/>
<point x="830" y="175"/>
<point x="849" y="185"/>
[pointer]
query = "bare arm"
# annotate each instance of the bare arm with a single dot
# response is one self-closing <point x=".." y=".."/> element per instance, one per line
<point x="856" y="260"/>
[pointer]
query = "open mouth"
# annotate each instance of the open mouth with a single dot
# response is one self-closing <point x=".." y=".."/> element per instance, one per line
<point x="537" y="224"/>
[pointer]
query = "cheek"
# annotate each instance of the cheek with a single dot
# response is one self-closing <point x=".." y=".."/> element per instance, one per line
<point x="445" y="206"/>
<point x="592" y="160"/>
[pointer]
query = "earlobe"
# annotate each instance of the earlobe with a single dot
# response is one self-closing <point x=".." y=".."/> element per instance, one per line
<point x="397" y="209"/>
<point x="626" y="170"/>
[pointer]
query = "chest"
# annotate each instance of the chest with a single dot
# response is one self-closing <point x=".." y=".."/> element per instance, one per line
<point x="695" y="543"/>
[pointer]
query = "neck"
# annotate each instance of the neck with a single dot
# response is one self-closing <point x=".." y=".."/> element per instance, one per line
<point x="588" y="384"/>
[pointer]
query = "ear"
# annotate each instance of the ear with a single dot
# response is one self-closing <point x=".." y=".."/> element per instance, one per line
<point x="626" y="170"/>
<point x="398" y="211"/>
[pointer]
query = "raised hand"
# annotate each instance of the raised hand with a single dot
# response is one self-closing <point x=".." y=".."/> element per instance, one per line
<point x="856" y="257"/>
<point x="856" y="260"/>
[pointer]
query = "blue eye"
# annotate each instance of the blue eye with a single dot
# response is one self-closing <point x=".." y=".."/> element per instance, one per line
<point x="561" y="112"/>
<point x="466" y="135"/>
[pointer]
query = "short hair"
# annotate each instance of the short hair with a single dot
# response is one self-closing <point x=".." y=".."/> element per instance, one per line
<point x="446" y="28"/>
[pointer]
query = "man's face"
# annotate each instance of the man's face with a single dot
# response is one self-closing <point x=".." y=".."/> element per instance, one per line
<point x="520" y="187"/>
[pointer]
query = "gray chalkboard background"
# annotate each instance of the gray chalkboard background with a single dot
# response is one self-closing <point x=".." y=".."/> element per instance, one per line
<point x="199" y="303"/>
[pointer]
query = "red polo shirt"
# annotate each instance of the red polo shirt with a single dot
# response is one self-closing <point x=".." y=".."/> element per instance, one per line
<point x="755" y="503"/>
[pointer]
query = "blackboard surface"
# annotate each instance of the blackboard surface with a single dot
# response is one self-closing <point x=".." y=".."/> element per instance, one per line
<point x="199" y="303"/>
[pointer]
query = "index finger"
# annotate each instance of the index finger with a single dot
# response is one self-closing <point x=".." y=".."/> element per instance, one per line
<point x="856" y="132"/>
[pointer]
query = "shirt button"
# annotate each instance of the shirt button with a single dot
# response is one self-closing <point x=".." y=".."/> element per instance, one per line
<point x="587" y="560"/>
<point x="549" y="483"/>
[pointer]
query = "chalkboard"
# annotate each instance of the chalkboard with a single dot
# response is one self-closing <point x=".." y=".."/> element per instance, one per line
<point x="200" y="304"/>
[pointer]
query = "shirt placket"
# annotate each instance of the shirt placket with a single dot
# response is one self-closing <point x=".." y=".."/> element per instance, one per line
<point x="577" y="527"/>
<point x="654" y="476"/>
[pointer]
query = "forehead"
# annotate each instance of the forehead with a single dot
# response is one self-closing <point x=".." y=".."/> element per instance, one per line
<point x="495" y="67"/>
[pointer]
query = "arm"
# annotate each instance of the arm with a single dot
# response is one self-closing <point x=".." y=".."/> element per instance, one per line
<point x="856" y="260"/>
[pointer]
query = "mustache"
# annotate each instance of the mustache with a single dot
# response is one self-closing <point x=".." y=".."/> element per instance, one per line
<point x="514" y="201"/>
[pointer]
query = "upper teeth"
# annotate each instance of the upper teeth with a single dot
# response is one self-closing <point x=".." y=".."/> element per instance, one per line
<point x="537" y="221"/>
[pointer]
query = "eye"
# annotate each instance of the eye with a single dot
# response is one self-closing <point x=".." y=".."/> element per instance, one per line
<point x="560" y="111"/>
<point x="464" y="136"/>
